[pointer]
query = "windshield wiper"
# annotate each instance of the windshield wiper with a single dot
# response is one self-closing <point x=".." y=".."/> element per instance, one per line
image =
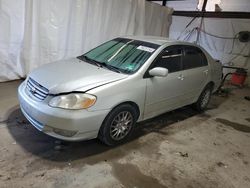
<point x="88" y="60"/>
<point x="110" y="67"/>
<point x="100" y="64"/>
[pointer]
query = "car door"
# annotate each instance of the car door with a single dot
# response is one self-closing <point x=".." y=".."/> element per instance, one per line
<point x="195" y="72"/>
<point x="164" y="93"/>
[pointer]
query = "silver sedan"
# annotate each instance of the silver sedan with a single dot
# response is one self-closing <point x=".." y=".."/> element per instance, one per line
<point x="104" y="92"/>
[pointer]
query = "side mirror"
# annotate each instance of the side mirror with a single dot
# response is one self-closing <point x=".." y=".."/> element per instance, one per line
<point x="158" y="71"/>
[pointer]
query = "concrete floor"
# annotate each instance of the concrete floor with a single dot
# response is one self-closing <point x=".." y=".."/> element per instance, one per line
<point x="178" y="149"/>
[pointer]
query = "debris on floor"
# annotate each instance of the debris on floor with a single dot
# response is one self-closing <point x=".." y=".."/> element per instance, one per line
<point x="183" y="154"/>
<point x="221" y="164"/>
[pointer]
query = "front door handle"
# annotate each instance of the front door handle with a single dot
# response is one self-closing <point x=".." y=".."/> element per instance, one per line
<point x="180" y="77"/>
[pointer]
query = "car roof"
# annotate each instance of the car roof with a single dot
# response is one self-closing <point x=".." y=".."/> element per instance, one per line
<point x="159" y="40"/>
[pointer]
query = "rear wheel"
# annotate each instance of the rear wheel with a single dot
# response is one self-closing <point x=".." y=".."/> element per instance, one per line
<point x="118" y="125"/>
<point x="204" y="99"/>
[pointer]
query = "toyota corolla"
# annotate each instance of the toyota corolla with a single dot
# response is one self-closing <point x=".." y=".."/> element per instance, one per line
<point x="104" y="92"/>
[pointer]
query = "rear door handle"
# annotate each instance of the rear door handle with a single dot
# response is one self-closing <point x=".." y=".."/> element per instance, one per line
<point x="180" y="77"/>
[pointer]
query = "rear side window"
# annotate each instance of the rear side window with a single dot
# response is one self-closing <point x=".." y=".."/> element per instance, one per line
<point x="170" y="59"/>
<point x="193" y="57"/>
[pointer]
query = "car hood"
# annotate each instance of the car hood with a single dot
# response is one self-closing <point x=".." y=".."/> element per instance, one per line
<point x="73" y="75"/>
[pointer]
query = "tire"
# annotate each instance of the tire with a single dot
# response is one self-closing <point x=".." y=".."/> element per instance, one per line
<point x="204" y="99"/>
<point x="118" y="125"/>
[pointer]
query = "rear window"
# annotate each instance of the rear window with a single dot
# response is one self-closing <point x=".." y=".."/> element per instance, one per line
<point x="193" y="57"/>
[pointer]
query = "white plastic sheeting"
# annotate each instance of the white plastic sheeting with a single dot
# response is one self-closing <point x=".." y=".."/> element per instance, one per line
<point x="35" y="32"/>
<point x="216" y="37"/>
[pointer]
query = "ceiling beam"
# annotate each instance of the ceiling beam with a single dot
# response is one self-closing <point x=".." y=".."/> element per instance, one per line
<point x="211" y="14"/>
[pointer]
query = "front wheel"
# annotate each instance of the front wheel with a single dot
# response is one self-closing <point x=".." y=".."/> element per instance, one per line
<point x="118" y="125"/>
<point x="204" y="99"/>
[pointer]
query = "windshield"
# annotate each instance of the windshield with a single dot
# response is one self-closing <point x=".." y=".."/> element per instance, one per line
<point x="121" y="55"/>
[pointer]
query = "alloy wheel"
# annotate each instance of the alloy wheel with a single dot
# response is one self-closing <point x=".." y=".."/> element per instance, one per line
<point x="121" y="125"/>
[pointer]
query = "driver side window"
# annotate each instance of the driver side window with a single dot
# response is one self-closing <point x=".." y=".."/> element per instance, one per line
<point x="170" y="59"/>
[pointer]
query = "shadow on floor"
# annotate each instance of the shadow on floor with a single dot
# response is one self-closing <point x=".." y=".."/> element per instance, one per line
<point x="92" y="151"/>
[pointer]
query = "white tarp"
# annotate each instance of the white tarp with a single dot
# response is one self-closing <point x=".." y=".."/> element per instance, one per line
<point x="35" y="32"/>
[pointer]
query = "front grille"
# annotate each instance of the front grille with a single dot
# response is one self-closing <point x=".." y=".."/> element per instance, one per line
<point x="37" y="90"/>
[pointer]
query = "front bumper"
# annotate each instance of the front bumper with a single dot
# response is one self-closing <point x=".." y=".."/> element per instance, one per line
<point x="83" y="124"/>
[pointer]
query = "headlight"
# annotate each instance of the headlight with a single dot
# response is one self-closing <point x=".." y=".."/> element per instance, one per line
<point x="73" y="101"/>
